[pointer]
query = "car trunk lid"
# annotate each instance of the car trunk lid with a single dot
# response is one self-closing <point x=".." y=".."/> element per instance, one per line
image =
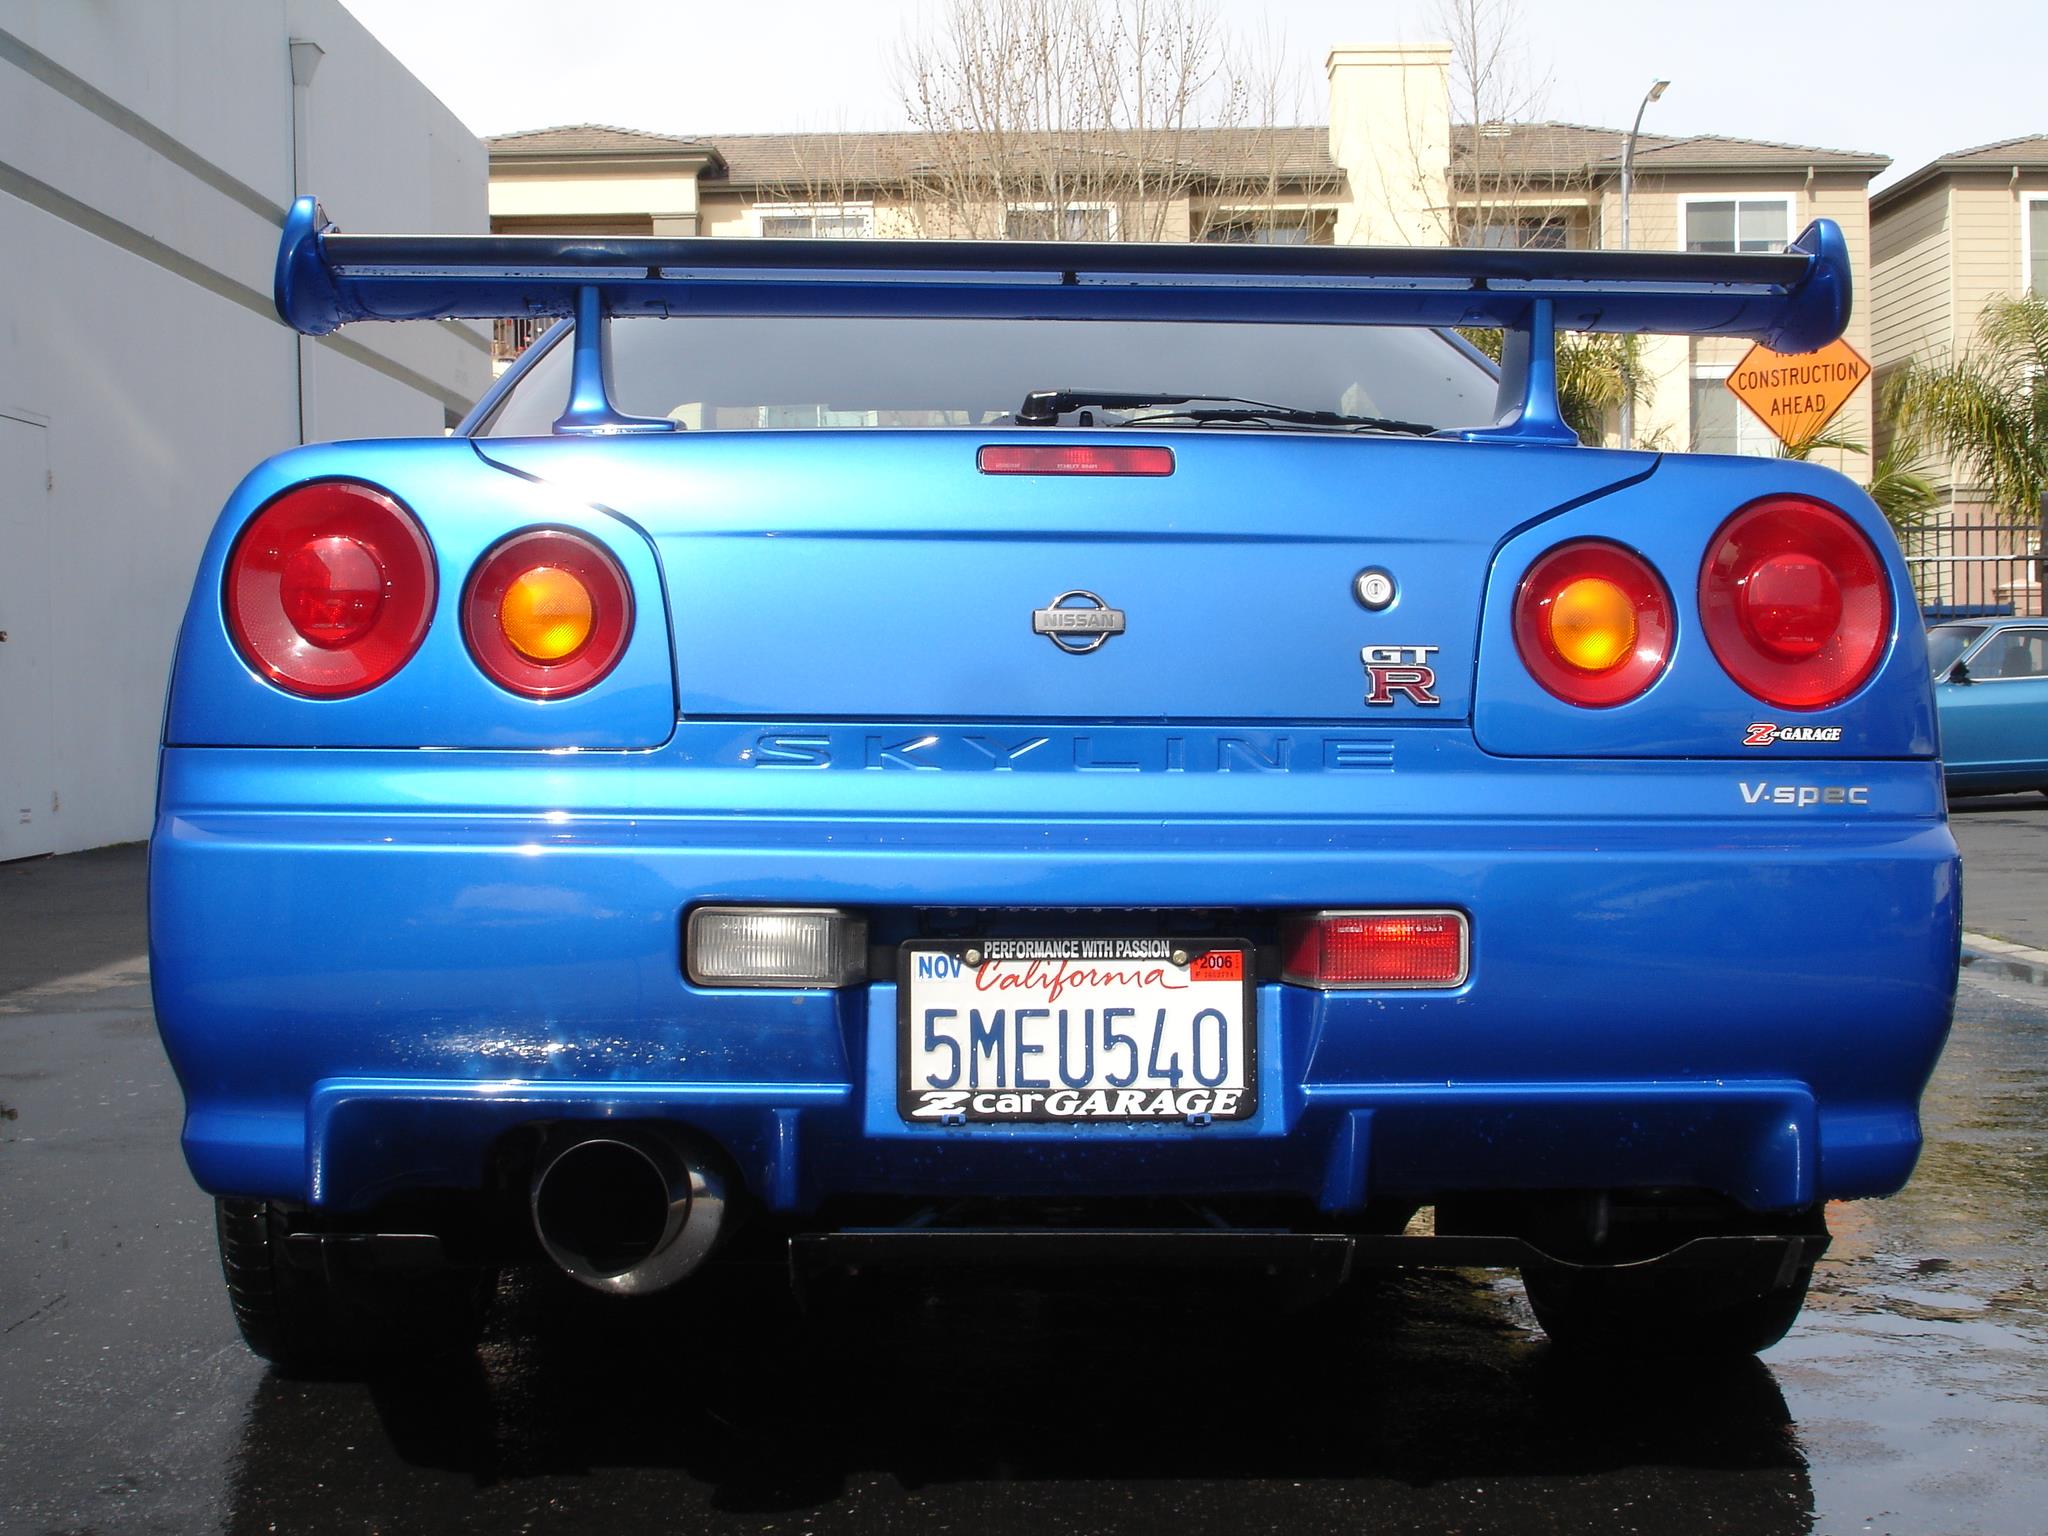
<point x="880" y="575"/>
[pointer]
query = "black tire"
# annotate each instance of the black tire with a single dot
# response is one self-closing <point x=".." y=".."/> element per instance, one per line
<point x="1688" y="1314"/>
<point x="308" y="1320"/>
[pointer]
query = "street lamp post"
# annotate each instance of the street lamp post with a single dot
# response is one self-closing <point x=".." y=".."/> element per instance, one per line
<point x="1628" y="169"/>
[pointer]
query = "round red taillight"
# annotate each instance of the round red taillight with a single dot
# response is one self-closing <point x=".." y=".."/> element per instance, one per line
<point x="1593" y="623"/>
<point x="547" y="613"/>
<point x="330" y="589"/>
<point x="1794" y="602"/>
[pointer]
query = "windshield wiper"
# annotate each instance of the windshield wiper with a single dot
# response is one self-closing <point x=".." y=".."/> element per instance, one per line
<point x="1044" y="407"/>
<point x="1288" y="415"/>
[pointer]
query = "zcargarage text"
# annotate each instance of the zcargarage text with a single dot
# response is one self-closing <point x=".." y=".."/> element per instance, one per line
<point x="1075" y="1104"/>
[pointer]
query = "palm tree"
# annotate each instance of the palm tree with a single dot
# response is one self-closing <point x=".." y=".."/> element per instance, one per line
<point x="1988" y="409"/>
<point x="1898" y="477"/>
<point x="1593" y="371"/>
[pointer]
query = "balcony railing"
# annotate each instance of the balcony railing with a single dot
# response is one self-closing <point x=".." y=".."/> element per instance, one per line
<point x="509" y="338"/>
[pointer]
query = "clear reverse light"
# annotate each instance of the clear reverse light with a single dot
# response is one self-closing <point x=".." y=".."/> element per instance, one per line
<point x="776" y="947"/>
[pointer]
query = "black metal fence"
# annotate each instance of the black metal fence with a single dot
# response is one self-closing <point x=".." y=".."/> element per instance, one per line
<point x="1976" y="563"/>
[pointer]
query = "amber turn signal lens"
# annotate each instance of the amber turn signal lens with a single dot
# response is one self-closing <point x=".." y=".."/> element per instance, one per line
<point x="1593" y="624"/>
<point x="545" y="613"/>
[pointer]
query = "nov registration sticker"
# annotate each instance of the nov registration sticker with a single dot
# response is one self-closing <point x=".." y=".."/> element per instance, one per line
<point x="1081" y="1029"/>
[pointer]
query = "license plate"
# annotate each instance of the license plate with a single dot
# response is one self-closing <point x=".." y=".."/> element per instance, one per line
<point x="1076" y="1029"/>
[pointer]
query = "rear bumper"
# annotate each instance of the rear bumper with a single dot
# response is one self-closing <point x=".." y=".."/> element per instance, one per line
<point x="370" y="966"/>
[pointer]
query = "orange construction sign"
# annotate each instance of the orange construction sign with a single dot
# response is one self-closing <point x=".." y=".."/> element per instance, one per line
<point x="1796" y="394"/>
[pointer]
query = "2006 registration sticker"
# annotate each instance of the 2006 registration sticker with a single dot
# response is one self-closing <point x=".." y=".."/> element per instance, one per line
<point x="1081" y="1029"/>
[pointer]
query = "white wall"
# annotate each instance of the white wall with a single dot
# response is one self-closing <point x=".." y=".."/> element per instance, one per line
<point x="145" y="162"/>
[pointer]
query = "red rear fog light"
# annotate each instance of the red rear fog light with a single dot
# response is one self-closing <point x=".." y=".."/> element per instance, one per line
<point x="1376" y="949"/>
<point x="1072" y="459"/>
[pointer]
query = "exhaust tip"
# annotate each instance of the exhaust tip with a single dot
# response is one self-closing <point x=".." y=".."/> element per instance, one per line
<point x="626" y="1212"/>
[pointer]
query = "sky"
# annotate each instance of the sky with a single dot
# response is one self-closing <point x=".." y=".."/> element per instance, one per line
<point x="1911" y="79"/>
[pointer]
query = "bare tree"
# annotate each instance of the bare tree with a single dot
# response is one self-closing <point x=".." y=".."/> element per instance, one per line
<point x="832" y="184"/>
<point x="1500" y="191"/>
<point x="1492" y="188"/>
<point x="1072" y="119"/>
<point x="1276" y="182"/>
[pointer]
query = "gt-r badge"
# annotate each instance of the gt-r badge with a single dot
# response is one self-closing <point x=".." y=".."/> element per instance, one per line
<point x="1764" y="733"/>
<point x="1077" y="622"/>
<point x="1403" y="669"/>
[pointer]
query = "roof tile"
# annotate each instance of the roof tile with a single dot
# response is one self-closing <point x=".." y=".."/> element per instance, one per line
<point x="1293" y="154"/>
<point x="584" y="138"/>
<point x="1578" y="149"/>
<point x="753" y="159"/>
<point x="2026" y="149"/>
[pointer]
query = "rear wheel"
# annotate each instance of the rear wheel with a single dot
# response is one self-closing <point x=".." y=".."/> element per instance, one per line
<point x="308" y="1316"/>
<point x="1687" y="1313"/>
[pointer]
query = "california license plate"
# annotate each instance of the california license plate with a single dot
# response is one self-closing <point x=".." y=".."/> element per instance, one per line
<point x="1076" y="1029"/>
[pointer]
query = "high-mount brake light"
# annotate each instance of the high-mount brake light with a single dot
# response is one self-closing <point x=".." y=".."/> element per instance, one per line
<point x="1401" y="949"/>
<point x="547" y="613"/>
<point x="1593" y="623"/>
<point x="330" y="589"/>
<point x="1794" y="602"/>
<point x="1073" y="459"/>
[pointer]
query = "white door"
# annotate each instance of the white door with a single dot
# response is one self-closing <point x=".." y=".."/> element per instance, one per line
<point x="28" y="798"/>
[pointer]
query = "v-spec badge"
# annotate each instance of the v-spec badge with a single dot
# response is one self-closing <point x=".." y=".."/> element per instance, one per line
<point x="1799" y="796"/>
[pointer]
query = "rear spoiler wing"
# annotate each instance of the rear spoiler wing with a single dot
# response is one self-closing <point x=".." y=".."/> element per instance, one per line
<point x="1793" y="301"/>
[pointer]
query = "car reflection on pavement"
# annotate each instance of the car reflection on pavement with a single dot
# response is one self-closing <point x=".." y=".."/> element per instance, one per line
<point x="990" y="1407"/>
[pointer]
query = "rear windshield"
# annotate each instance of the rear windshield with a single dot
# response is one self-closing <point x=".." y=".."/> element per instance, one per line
<point x="1945" y="642"/>
<point x="754" y="373"/>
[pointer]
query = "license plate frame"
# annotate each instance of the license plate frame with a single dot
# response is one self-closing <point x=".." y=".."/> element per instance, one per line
<point x="1058" y="1102"/>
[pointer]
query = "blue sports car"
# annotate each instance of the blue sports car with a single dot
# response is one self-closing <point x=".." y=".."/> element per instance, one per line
<point x="990" y="753"/>
<point x="1991" y="696"/>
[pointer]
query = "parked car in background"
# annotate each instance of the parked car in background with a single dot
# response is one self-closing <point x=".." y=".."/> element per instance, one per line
<point x="1991" y="691"/>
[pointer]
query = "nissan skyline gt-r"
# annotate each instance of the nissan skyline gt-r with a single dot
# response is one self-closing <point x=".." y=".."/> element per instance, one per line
<point x="986" y="753"/>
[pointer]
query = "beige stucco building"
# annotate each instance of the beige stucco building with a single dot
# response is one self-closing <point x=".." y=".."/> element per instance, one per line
<point x="1949" y="238"/>
<point x="1946" y="240"/>
<point x="1390" y="167"/>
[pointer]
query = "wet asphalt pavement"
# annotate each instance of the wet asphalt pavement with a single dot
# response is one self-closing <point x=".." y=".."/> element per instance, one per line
<point x="1911" y="1398"/>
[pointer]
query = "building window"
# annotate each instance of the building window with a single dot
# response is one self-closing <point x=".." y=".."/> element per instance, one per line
<point x="1738" y="223"/>
<point x="1044" y="221"/>
<point x="1723" y="424"/>
<point x="1274" y="226"/>
<point x="1498" y="231"/>
<point x="837" y="222"/>
<point x="2036" y="243"/>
